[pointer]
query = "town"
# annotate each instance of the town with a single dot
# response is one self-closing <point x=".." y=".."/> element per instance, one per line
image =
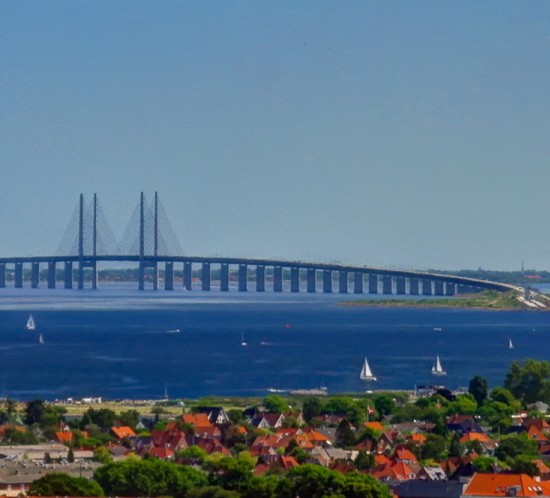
<point x="483" y="442"/>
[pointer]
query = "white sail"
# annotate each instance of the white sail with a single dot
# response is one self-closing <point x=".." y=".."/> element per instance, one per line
<point x="40" y="339"/>
<point x="510" y="344"/>
<point x="243" y="342"/>
<point x="366" y="373"/>
<point x="30" y="323"/>
<point x="437" y="369"/>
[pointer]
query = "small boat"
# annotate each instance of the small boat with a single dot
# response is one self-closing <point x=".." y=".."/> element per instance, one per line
<point x="40" y="339"/>
<point x="173" y="331"/>
<point x="510" y="344"/>
<point x="437" y="369"/>
<point x="438" y="329"/>
<point x="31" y="325"/>
<point x="366" y="373"/>
<point x="243" y="342"/>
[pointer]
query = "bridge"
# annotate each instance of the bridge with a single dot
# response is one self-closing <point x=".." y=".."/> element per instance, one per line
<point x="150" y="243"/>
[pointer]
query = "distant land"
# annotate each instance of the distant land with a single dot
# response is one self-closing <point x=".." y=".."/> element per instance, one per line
<point x="491" y="300"/>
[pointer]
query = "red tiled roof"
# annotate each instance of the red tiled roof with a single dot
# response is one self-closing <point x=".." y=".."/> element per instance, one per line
<point x="123" y="431"/>
<point x="501" y="484"/>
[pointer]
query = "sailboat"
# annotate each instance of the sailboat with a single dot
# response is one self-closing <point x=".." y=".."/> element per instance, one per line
<point x="243" y="342"/>
<point x="40" y="339"/>
<point x="510" y="344"/>
<point x="366" y="373"/>
<point x="30" y="323"/>
<point x="437" y="369"/>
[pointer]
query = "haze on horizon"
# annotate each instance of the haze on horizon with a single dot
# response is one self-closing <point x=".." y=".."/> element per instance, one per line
<point x="394" y="134"/>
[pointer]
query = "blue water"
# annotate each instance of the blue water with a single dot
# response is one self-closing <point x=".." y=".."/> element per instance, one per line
<point x="114" y="343"/>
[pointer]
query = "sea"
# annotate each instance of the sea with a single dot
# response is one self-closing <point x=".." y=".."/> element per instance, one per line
<point x="120" y="343"/>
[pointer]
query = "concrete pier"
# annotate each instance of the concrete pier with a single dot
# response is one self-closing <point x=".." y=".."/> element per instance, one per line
<point x="373" y="283"/>
<point x="260" y="278"/>
<point x="311" y="280"/>
<point x="51" y="275"/>
<point x="2" y="275"/>
<point x="205" y="277"/>
<point x="224" y="277"/>
<point x="243" y="278"/>
<point x="327" y="281"/>
<point x="68" y="274"/>
<point x="343" y="282"/>
<point x="400" y="286"/>
<point x="277" y="279"/>
<point x="35" y="274"/>
<point x="295" y="279"/>
<point x="358" y="283"/>
<point x="188" y="276"/>
<point x="169" y="275"/>
<point x="386" y="284"/>
<point x="18" y="275"/>
<point x="426" y="287"/>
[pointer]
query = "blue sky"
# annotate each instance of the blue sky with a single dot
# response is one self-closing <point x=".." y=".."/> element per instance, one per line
<point x="395" y="134"/>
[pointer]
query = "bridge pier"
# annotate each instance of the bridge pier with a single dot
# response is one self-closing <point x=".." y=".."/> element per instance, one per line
<point x="295" y="279"/>
<point x="68" y="275"/>
<point x="224" y="277"/>
<point x="169" y="275"/>
<point x="188" y="275"/>
<point x="343" y="282"/>
<point x="277" y="279"/>
<point x="35" y="274"/>
<point x="260" y="278"/>
<point x="414" y="287"/>
<point x="243" y="278"/>
<point x="205" y="277"/>
<point x="143" y="265"/>
<point x="311" y="280"/>
<point x="450" y="289"/>
<point x="2" y="275"/>
<point x="426" y="287"/>
<point x="400" y="285"/>
<point x="327" y="281"/>
<point x="358" y="283"/>
<point x="51" y="275"/>
<point x="386" y="284"/>
<point x="438" y="287"/>
<point x="18" y="275"/>
<point x="373" y="283"/>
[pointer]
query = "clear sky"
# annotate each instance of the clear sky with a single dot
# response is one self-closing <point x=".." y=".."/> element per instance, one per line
<point x="406" y="134"/>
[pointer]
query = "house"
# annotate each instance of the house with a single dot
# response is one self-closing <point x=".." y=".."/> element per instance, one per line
<point x="264" y="420"/>
<point x="215" y="414"/>
<point x="122" y="432"/>
<point x="490" y="485"/>
<point x="431" y="473"/>
<point x="484" y="441"/>
<point x="197" y="420"/>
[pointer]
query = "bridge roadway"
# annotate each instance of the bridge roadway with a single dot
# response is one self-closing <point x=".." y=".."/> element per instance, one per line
<point x="365" y="279"/>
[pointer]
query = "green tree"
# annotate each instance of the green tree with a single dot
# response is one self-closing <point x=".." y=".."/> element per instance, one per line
<point x="275" y="403"/>
<point x="485" y="464"/>
<point x="150" y="477"/>
<point x="384" y="404"/>
<point x="530" y="382"/>
<point x="344" y="436"/>
<point x="311" y="407"/>
<point x="129" y="418"/>
<point x="464" y="404"/>
<point x="232" y="473"/>
<point x="512" y="446"/>
<point x="59" y="484"/>
<point x="211" y="492"/>
<point x="34" y="412"/>
<point x="479" y="389"/>
<point x="434" y="448"/>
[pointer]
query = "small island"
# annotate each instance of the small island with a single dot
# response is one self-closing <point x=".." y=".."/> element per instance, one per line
<point x="488" y="299"/>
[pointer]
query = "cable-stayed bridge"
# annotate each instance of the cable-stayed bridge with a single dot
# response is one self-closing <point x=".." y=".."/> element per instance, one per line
<point x="150" y="242"/>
